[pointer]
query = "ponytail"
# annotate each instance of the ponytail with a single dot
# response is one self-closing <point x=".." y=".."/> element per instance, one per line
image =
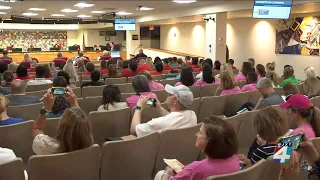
<point x="315" y="120"/>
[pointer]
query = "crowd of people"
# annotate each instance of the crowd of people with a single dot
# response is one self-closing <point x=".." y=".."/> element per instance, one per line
<point x="216" y="138"/>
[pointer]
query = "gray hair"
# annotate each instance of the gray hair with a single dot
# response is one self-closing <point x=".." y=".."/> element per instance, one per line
<point x="264" y="83"/>
<point x="33" y="63"/>
<point x="18" y="87"/>
<point x="105" y="52"/>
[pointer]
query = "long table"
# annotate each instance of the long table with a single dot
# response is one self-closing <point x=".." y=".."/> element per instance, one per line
<point x="45" y="56"/>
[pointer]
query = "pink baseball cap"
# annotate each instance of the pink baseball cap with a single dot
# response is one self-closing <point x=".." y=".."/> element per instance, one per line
<point x="299" y="101"/>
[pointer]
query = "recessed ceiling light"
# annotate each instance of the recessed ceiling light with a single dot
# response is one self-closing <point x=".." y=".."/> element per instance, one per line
<point x="83" y="5"/>
<point x="83" y="16"/>
<point x="30" y="14"/>
<point x="123" y="13"/>
<point x="37" y="9"/>
<point x="5" y="7"/>
<point x="69" y="10"/>
<point x="146" y="9"/>
<point x="184" y="2"/>
<point x="57" y="15"/>
<point x="3" y="13"/>
<point x="97" y="12"/>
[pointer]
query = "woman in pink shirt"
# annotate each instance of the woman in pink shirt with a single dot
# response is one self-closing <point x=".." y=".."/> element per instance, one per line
<point x="141" y="86"/>
<point x="228" y="86"/>
<point x="301" y="112"/>
<point x="186" y="77"/>
<point x="207" y="77"/>
<point x="246" y="68"/>
<point x="154" y="86"/>
<point x="217" y="140"/>
<point x="251" y="85"/>
<point x="261" y="71"/>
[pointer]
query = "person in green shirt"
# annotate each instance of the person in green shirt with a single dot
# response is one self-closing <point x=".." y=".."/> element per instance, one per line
<point x="289" y="77"/>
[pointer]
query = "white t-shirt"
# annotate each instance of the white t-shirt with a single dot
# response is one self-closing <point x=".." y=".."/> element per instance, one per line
<point x="39" y="81"/>
<point x="173" y="120"/>
<point x="6" y="155"/>
<point x="44" y="145"/>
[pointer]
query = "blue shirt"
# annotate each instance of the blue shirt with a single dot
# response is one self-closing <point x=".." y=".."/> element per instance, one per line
<point x="10" y="121"/>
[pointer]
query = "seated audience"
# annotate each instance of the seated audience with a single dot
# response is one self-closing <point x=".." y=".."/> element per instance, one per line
<point x="73" y="131"/>
<point x="251" y="85"/>
<point x="140" y="85"/>
<point x="48" y="73"/>
<point x="8" y="77"/>
<point x="166" y="65"/>
<point x="304" y="114"/>
<point x="228" y="85"/>
<point x="141" y="54"/>
<point x="180" y="62"/>
<point x="194" y="63"/>
<point x="207" y="77"/>
<point x="311" y="86"/>
<point x="105" y="55"/>
<point x="5" y="55"/>
<point x="67" y="78"/>
<point x="180" y="98"/>
<point x="270" y="126"/>
<point x="120" y="64"/>
<point x="218" y="141"/>
<point x="289" y="90"/>
<point x="154" y="86"/>
<point x="231" y="63"/>
<point x="33" y="65"/>
<point x="271" y="74"/>
<point x="188" y="60"/>
<point x="132" y="70"/>
<point x="186" y="77"/>
<point x="18" y="94"/>
<point x="144" y="66"/>
<point x="288" y="75"/>
<point x="112" y="71"/>
<point x="111" y="99"/>
<point x="245" y="69"/>
<point x="159" y="69"/>
<point x="208" y="61"/>
<point x="173" y="62"/>
<point x="261" y="71"/>
<point x="13" y="67"/>
<point x="95" y="77"/>
<point x="252" y="62"/>
<point x="216" y="65"/>
<point x="157" y="59"/>
<point x="81" y="66"/>
<point x="4" y="118"/>
<point x="103" y="67"/>
<point x="71" y="70"/>
<point x="40" y="71"/>
<point x="22" y="73"/>
<point x="89" y="67"/>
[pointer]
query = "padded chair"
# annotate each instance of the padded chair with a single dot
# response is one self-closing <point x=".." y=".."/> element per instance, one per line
<point x="51" y="127"/>
<point x="148" y="114"/>
<point x="38" y="94"/>
<point x="272" y="169"/>
<point x="212" y="106"/>
<point x="126" y="88"/>
<point x="135" y="159"/>
<point x="12" y="170"/>
<point x="85" y="78"/>
<point x="254" y="172"/>
<point x="40" y="87"/>
<point x="171" y="82"/>
<point x="235" y="71"/>
<point x="18" y="137"/>
<point x="76" y="83"/>
<point x="92" y="91"/>
<point x="208" y="90"/>
<point x="129" y="79"/>
<point x="158" y="77"/>
<point x="77" y="165"/>
<point x="195" y="90"/>
<point x="254" y="97"/>
<point x="246" y="134"/>
<point x="235" y="121"/>
<point x="161" y="95"/>
<point x="110" y="124"/>
<point x="90" y="103"/>
<point x="166" y="71"/>
<point x="77" y="91"/>
<point x="316" y="101"/>
<point x="181" y="147"/>
<point x="124" y="96"/>
<point x="235" y="101"/>
<point x="27" y="112"/>
<point x="316" y="143"/>
<point x="196" y="106"/>
<point x="115" y="80"/>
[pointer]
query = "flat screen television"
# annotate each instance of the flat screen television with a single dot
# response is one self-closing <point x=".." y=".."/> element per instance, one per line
<point x="278" y="9"/>
<point x="124" y="24"/>
<point x="115" y="53"/>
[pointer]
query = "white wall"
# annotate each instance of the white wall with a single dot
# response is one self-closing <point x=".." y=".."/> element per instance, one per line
<point x="190" y="38"/>
<point x="92" y="38"/>
<point x="72" y="37"/>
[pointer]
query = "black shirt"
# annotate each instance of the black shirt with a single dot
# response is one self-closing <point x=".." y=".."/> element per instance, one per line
<point x="140" y="55"/>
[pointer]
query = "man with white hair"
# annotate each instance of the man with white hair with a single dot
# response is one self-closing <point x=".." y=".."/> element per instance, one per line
<point x="179" y="99"/>
<point x="269" y="96"/>
<point x="105" y="55"/>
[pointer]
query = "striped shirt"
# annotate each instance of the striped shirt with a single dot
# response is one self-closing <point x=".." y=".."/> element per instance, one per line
<point x="262" y="152"/>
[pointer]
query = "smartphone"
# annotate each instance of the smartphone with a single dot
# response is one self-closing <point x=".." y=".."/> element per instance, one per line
<point x="174" y="164"/>
<point x="285" y="147"/>
<point x="151" y="102"/>
<point x="58" y="90"/>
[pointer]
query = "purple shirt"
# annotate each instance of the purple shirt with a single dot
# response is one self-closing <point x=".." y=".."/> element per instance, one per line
<point x="249" y="87"/>
<point x="132" y="100"/>
<point x="240" y="77"/>
<point x="200" y="82"/>
<point x="155" y="86"/>
<point x="308" y="131"/>
<point x="235" y="90"/>
<point x="200" y="170"/>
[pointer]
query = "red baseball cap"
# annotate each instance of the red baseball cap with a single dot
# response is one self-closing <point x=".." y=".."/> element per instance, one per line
<point x="299" y="101"/>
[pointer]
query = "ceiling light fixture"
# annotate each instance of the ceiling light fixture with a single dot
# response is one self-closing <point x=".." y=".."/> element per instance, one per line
<point x="69" y="10"/>
<point x="145" y="8"/>
<point x="5" y="7"/>
<point x="3" y="13"/>
<point x="97" y="12"/>
<point x="184" y="2"/>
<point x="37" y="9"/>
<point x="30" y="14"/>
<point x="83" y="5"/>
<point x="83" y="16"/>
<point x="123" y="13"/>
<point x="58" y="15"/>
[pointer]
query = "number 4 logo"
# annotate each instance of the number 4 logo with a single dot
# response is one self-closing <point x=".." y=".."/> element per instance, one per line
<point x="282" y="154"/>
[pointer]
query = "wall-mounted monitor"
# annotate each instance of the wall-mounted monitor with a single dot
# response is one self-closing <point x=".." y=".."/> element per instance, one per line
<point x="278" y="9"/>
<point x="125" y="24"/>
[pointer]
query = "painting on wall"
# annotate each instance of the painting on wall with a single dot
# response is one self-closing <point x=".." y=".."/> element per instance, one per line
<point x="298" y="36"/>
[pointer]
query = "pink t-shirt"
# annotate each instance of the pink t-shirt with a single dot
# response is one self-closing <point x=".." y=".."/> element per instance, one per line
<point x="259" y="76"/>
<point x="200" y="82"/>
<point x="240" y="77"/>
<point x="132" y="100"/>
<point x="235" y="90"/>
<point x="155" y="86"/>
<point x="249" y="87"/>
<point x="178" y="84"/>
<point x="308" y="131"/>
<point x="200" y="170"/>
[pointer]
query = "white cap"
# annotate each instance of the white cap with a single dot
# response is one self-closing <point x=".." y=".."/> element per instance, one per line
<point x="182" y="93"/>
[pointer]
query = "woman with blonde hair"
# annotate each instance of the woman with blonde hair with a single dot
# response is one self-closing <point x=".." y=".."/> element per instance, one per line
<point x="81" y="66"/>
<point x="228" y="85"/>
<point x="310" y="72"/>
<point x="226" y="67"/>
<point x="149" y="61"/>
<point x="71" y="70"/>
<point x="73" y="132"/>
<point x="27" y="57"/>
<point x="13" y="67"/>
<point x="271" y="74"/>
<point x="311" y="87"/>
